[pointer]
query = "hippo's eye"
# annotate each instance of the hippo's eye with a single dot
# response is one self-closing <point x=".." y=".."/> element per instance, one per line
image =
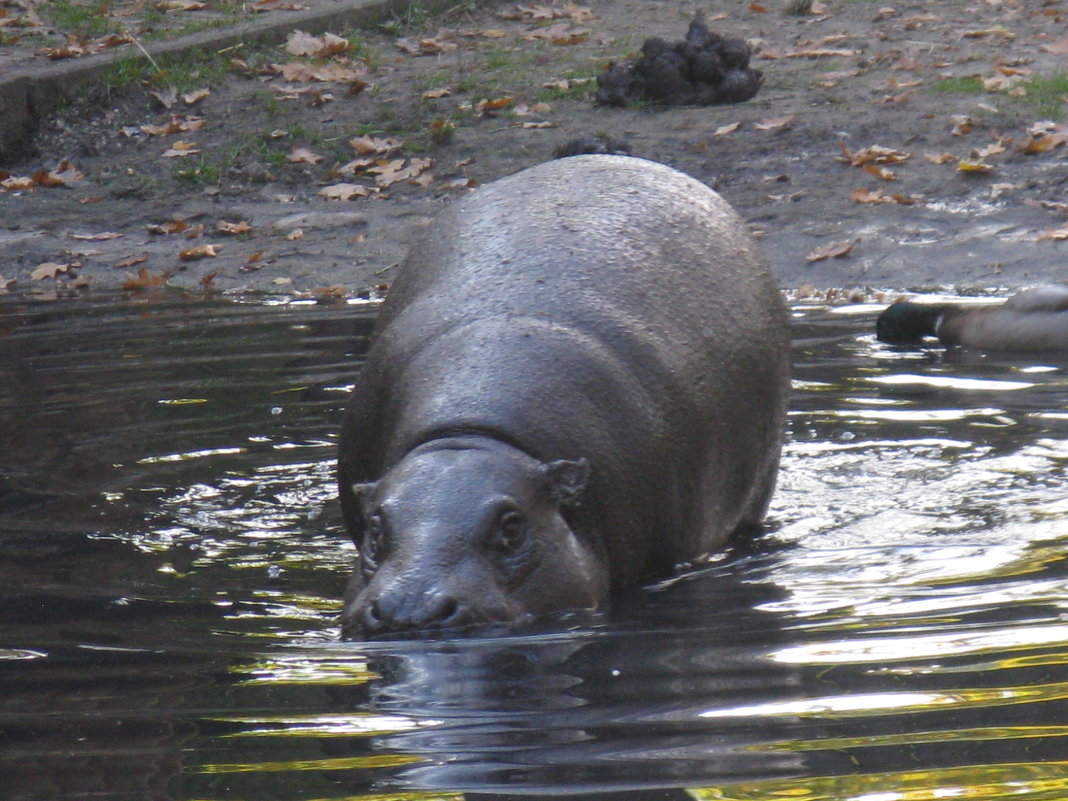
<point x="510" y="532"/>
<point x="374" y="541"/>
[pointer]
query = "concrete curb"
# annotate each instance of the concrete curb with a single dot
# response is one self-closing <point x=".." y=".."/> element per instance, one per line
<point x="30" y="95"/>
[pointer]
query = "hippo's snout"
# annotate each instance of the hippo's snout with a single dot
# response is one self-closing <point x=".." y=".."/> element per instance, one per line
<point x="396" y="611"/>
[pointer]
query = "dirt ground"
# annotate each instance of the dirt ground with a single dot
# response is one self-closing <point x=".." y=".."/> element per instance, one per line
<point x="969" y="192"/>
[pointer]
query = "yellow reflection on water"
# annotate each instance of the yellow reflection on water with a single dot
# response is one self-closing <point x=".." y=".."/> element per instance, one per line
<point x="1024" y="781"/>
<point x="929" y="646"/>
<point x="307" y="670"/>
<point x="367" y="762"/>
<point x="867" y="704"/>
<point x="362" y="724"/>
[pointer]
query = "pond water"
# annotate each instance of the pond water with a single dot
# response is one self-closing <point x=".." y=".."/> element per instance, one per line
<point x="172" y="555"/>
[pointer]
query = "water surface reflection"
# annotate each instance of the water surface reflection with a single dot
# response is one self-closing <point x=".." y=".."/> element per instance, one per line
<point x="171" y="558"/>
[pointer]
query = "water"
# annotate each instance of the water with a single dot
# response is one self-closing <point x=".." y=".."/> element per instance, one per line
<point x="171" y="558"/>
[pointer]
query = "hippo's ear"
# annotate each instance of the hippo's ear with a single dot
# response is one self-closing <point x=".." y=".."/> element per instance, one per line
<point x="567" y="479"/>
<point x="365" y="496"/>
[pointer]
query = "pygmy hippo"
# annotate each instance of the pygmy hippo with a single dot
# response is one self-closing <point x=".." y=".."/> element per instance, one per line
<point x="578" y="381"/>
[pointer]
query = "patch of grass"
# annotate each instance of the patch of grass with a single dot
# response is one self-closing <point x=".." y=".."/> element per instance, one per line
<point x="82" y="19"/>
<point x="1046" y="93"/>
<point x="202" y="172"/>
<point x="414" y="18"/>
<point x="963" y="85"/>
<point x="184" y="71"/>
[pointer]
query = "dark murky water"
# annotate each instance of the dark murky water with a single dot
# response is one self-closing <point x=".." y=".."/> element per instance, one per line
<point x="171" y="556"/>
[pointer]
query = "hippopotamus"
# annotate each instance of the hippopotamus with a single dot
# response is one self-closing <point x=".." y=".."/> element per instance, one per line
<point x="578" y="382"/>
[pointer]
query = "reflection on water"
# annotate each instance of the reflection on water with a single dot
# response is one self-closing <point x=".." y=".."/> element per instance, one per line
<point x="171" y="559"/>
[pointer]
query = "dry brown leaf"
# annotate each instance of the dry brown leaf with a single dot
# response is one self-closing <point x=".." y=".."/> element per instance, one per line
<point x="64" y="174"/>
<point x="996" y="30"/>
<point x="962" y="124"/>
<point x="179" y="149"/>
<point x="14" y="183"/>
<point x="723" y="130"/>
<point x="881" y="173"/>
<point x="132" y="261"/>
<point x="194" y="97"/>
<point x="822" y="52"/>
<point x="198" y="252"/>
<point x="375" y="146"/>
<point x="101" y="237"/>
<point x="773" y="123"/>
<point x="180" y="5"/>
<point x="939" y="158"/>
<point x="254" y="257"/>
<point x="834" y="250"/>
<point x="1053" y="234"/>
<point x="178" y="123"/>
<point x="486" y="107"/>
<point x="1058" y="46"/>
<point x="874" y="154"/>
<point x="169" y="227"/>
<point x="301" y="155"/>
<point x="974" y="167"/>
<point x="345" y="191"/>
<point x="433" y="94"/>
<point x="388" y="173"/>
<point x="145" y="280"/>
<point x="300" y="43"/>
<point x="990" y="150"/>
<point x="52" y="269"/>
<point x="233" y="229"/>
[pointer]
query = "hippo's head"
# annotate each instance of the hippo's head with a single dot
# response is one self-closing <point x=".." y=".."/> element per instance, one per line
<point x="459" y="533"/>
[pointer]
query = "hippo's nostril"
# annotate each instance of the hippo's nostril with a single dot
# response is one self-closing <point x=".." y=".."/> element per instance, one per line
<point x="448" y="612"/>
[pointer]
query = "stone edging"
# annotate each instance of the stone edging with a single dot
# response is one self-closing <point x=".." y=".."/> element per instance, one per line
<point x="29" y="95"/>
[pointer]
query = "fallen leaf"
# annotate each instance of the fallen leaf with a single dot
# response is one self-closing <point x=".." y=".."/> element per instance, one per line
<point x="301" y="155"/>
<point x="723" y="130"/>
<point x="300" y="43"/>
<point x="181" y="148"/>
<point x="990" y="150"/>
<point x="996" y="30"/>
<point x="881" y="173"/>
<point x="835" y="250"/>
<point x="345" y="191"/>
<point x="178" y="123"/>
<point x="878" y="196"/>
<point x="13" y="183"/>
<point x="180" y="5"/>
<point x="208" y="280"/>
<point x="232" y="229"/>
<point x="145" y="280"/>
<point x="1058" y="46"/>
<point x="166" y="97"/>
<point x="169" y="227"/>
<point x="774" y="123"/>
<point x="962" y="124"/>
<point x="254" y="257"/>
<point x="486" y="107"/>
<point x="874" y="154"/>
<point x="102" y="237"/>
<point x="1053" y="234"/>
<point x="63" y="175"/>
<point x="436" y="93"/>
<point x="370" y="145"/>
<point x="51" y="269"/>
<point x="194" y="97"/>
<point x="132" y="261"/>
<point x="199" y="252"/>
<point x="939" y="158"/>
<point x="391" y="172"/>
<point x="295" y="234"/>
<point x="974" y="167"/>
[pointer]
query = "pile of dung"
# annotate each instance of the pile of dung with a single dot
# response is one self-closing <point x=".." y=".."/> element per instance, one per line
<point x="703" y="69"/>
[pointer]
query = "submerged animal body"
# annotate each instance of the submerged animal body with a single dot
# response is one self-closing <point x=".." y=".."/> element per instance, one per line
<point x="579" y="380"/>
<point x="1035" y="319"/>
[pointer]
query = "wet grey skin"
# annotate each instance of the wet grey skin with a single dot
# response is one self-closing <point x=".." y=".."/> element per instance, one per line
<point x="1033" y="320"/>
<point x="577" y="382"/>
